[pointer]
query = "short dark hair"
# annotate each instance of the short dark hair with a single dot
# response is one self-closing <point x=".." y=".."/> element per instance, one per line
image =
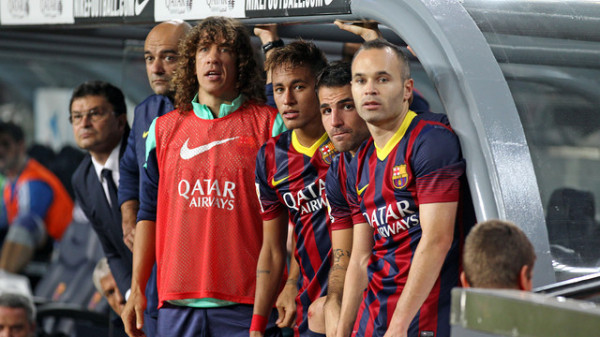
<point x="298" y="54"/>
<point x="19" y="301"/>
<point x="112" y="94"/>
<point x="382" y="44"/>
<point x="13" y="130"/>
<point x="494" y="253"/>
<point x="337" y="74"/>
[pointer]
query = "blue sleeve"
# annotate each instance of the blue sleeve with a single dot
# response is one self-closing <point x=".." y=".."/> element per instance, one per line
<point x="3" y="217"/>
<point x="35" y="197"/>
<point x="435" y="148"/>
<point x="337" y="205"/>
<point x="149" y="177"/>
<point x="129" y="171"/>
<point x="270" y="205"/>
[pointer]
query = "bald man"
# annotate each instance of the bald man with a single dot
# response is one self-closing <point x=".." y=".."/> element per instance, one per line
<point x="160" y="54"/>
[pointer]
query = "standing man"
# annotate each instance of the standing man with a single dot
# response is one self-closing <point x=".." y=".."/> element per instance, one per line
<point x="17" y="315"/>
<point x="37" y="207"/>
<point x="198" y="219"/>
<point x="290" y="181"/>
<point x="407" y="182"/>
<point x="160" y="54"/>
<point x="99" y="119"/>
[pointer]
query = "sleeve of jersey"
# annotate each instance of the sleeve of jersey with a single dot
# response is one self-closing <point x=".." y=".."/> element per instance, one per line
<point x="437" y="164"/>
<point x="149" y="177"/>
<point x="270" y="205"/>
<point x="128" y="170"/>
<point x="339" y="210"/>
<point x="35" y="197"/>
<point x="352" y="195"/>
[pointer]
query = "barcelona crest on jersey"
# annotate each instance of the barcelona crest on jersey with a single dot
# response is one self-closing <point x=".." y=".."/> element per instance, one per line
<point x="399" y="176"/>
<point x="327" y="152"/>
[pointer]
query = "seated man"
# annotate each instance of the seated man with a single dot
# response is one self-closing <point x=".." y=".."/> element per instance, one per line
<point x="17" y="315"/>
<point x="36" y="204"/>
<point x="497" y="254"/>
<point x="107" y="286"/>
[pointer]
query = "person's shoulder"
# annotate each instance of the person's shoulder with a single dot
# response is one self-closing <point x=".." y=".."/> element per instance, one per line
<point x="154" y="99"/>
<point x="155" y="104"/>
<point x="433" y="117"/>
<point x="83" y="168"/>
<point x="258" y="106"/>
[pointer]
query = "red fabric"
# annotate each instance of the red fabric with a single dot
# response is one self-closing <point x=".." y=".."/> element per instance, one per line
<point x="208" y="226"/>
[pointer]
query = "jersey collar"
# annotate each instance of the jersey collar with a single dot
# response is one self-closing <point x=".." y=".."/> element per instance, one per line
<point x="203" y="112"/>
<point x="385" y="151"/>
<point x="307" y="151"/>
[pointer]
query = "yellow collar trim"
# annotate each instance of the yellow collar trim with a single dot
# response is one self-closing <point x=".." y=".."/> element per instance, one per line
<point x="307" y="151"/>
<point x="383" y="153"/>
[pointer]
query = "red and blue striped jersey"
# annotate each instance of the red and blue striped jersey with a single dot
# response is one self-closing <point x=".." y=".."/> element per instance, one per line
<point x="336" y="187"/>
<point x="291" y="177"/>
<point x="421" y="164"/>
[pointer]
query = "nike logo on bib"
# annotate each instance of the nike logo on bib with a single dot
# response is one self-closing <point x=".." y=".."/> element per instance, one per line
<point x="187" y="153"/>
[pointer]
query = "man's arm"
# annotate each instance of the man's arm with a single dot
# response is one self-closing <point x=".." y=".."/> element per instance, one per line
<point x="356" y="277"/>
<point x="267" y="33"/>
<point x="129" y="189"/>
<point x="341" y="246"/>
<point x="269" y="270"/>
<point x="286" y="301"/>
<point x="144" y="247"/>
<point x="143" y="260"/>
<point x="437" y="225"/>
<point x="129" y="211"/>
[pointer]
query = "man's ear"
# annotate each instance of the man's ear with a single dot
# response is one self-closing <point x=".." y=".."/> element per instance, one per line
<point x="463" y="280"/>
<point x="525" y="279"/>
<point x="122" y="118"/>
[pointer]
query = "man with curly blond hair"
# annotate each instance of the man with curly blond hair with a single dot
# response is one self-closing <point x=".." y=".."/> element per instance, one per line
<point x="199" y="221"/>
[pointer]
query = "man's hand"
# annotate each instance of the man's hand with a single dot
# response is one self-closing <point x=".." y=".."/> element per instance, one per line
<point x="286" y="304"/>
<point x="133" y="315"/>
<point x="366" y="29"/>
<point x="393" y="333"/>
<point x="129" y="211"/>
<point x="332" y="317"/>
<point x="266" y="33"/>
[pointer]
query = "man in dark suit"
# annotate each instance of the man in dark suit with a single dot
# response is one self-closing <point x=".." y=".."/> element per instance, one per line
<point x="98" y="117"/>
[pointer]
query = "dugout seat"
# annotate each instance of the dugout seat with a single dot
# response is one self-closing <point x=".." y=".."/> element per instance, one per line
<point x="572" y="229"/>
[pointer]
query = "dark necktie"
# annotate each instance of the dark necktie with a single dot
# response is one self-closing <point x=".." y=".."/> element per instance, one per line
<point x="112" y="188"/>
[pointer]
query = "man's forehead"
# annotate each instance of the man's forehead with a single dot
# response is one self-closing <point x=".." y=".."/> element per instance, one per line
<point x="160" y="45"/>
<point x="334" y="95"/>
<point x="218" y="39"/>
<point x="301" y="71"/>
<point x="375" y="60"/>
<point x="90" y="102"/>
<point x="164" y="34"/>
